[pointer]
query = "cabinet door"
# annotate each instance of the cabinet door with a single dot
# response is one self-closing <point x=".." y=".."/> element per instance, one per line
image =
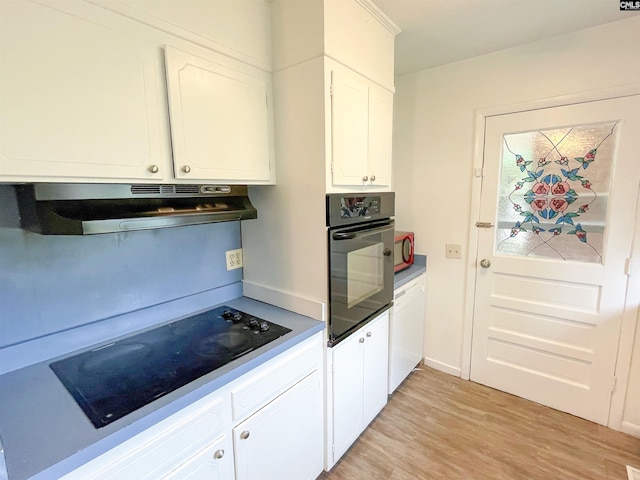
<point x="283" y="440"/>
<point x="220" y="116"/>
<point x="77" y="100"/>
<point x="349" y="128"/>
<point x="347" y="392"/>
<point x="376" y="364"/>
<point x="380" y="136"/>
<point x="213" y="463"/>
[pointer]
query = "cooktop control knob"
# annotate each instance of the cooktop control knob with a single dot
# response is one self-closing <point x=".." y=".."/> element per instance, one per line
<point x="253" y="323"/>
<point x="264" y="326"/>
<point x="227" y="314"/>
<point x="237" y="317"/>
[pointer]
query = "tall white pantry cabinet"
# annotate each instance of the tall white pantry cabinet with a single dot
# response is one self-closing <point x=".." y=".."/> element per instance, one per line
<point x="333" y="77"/>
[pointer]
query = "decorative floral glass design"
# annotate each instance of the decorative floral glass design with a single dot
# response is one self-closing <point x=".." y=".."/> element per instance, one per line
<point x="554" y="192"/>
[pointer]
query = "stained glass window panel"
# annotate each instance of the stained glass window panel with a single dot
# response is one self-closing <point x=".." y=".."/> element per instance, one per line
<point x="554" y="192"/>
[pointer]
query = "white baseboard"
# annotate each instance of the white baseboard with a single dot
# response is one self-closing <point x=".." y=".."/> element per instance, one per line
<point x="443" y="367"/>
<point x="288" y="301"/>
<point x="630" y="428"/>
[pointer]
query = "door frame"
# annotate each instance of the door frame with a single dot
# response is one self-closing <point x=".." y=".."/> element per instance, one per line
<point x="632" y="302"/>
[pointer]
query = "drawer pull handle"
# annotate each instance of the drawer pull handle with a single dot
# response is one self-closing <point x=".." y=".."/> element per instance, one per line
<point x="244" y="435"/>
<point x="218" y="454"/>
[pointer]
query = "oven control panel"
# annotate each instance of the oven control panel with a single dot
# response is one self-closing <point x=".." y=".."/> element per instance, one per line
<point x="344" y="209"/>
<point x="359" y="206"/>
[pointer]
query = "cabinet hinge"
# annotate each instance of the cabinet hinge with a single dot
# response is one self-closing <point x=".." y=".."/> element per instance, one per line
<point x="614" y="384"/>
<point x="331" y="90"/>
<point x="627" y="266"/>
<point x="478" y="172"/>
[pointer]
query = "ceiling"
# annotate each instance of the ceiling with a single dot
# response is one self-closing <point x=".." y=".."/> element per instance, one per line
<point x="436" y="32"/>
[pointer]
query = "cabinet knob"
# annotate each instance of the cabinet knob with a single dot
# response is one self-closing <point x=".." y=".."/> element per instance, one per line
<point x="373" y="178"/>
<point x="361" y="340"/>
<point x="218" y="454"/>
<point x="365" y="178"/>
<point x="368" y="334"/>
<point x="186" y="169"/>
<point x="153" y="168"/>
<point x="244" y="435"/>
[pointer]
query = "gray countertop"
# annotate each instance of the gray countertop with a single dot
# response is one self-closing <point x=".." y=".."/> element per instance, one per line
<point x="405" y="276"/>
<point x="45" y="434"/>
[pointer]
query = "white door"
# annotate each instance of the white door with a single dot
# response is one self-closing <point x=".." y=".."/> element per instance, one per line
<point x="560" y="186"/>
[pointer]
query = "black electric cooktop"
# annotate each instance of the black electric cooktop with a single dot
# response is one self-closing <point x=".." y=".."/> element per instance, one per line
<point x="112" y="381"/>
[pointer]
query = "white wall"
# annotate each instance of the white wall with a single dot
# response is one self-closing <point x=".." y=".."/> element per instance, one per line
<point x="433" y="148"/>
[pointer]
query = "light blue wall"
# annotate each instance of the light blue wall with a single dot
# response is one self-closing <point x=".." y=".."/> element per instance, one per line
<point x="50" y="284"/>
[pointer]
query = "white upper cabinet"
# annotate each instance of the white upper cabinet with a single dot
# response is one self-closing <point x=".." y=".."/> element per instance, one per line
<point x="380" y="135"/>
<point x="236" y="28"/>
<point x="358" y="34"/>
<point x="77" y="100"/>
<point x="361" y="126"/>
<point x="220" y="119"/>
<point x="83" y="92"/>
<point x="349" y="129"/>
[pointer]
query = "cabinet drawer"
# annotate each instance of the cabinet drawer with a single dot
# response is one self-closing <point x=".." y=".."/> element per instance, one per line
<point x="269" y="382"/>
<point x="159" y="449"/>
<point x="215" y="462"/>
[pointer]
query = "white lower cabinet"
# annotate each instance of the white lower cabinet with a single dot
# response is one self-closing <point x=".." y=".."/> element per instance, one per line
<point x="265" y="425"/>
<point x="283" y="440"/>
<point x="358" y="376"/>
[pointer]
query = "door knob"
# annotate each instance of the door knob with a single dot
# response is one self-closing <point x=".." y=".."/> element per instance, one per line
<point x="485" y="263"/>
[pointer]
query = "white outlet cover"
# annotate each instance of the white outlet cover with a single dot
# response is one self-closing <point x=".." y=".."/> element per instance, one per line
<point x="234" y="259"/>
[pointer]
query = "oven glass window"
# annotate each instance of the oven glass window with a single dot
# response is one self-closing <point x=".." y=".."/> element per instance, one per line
<point x="365" y="273"/>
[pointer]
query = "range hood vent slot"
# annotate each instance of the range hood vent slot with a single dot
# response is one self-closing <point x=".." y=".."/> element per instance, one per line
<point x="83" y="209"/>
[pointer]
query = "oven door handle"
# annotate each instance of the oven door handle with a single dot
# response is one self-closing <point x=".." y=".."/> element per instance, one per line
<point x="344" y="236"/>
<point x="364" y="232"/>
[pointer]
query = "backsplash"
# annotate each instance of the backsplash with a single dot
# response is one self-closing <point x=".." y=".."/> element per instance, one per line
<point x="50" y="284"/>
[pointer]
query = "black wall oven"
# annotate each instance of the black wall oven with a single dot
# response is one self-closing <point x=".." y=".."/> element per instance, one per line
<point x="361" y="234"/>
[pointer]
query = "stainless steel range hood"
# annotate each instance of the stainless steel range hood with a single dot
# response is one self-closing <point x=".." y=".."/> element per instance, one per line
<point x="84" y="209"/>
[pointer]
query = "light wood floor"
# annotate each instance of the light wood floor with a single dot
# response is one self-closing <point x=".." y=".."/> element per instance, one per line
<point x="437" y="426"/>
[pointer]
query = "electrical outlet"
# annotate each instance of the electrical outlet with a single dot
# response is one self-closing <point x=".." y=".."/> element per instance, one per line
<point x="453" y="250"/>
<point x="234" y="259"/>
